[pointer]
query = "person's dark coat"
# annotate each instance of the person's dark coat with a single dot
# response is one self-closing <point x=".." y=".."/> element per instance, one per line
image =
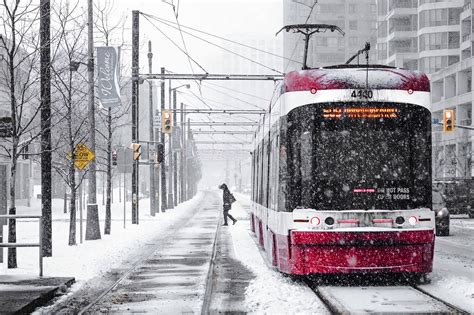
<point x="226" y="198"/>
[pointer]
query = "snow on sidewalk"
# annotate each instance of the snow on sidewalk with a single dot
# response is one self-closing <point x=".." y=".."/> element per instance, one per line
<point x="92" y="258"/>
<point x="270" y="292"/>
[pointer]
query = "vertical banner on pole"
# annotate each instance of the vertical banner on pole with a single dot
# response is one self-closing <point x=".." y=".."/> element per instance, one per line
<point x="108" y="88"/>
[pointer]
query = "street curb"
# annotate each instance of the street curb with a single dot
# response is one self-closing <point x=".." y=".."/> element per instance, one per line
<point x="44" y="297"/>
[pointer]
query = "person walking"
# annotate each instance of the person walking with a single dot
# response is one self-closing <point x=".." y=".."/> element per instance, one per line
<point x="228" y="199"/>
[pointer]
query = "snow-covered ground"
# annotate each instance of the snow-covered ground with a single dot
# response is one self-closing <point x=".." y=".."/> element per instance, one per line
<point x="452" y="277"/>
<point x="268" y="292"/>
<point x="91" y="258"/>
<point x="453" y="267"/>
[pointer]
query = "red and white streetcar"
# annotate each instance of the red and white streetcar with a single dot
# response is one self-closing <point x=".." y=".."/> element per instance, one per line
<point x="341" y="172"/>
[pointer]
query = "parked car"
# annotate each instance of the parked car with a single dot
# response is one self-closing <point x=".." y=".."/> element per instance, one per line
<point x="458" y="194"/>
<point x="441" y="211"/>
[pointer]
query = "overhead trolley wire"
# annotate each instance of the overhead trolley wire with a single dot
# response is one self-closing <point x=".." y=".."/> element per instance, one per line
<point x="167" y="22"/>
<point x="176" y="45"/>
<point x="236" y="98"/>
<point x="236" y="91"/>
<point x="209" y="42"/>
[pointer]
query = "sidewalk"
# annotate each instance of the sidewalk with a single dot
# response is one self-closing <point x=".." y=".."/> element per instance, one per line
<point x="20" y="294"/>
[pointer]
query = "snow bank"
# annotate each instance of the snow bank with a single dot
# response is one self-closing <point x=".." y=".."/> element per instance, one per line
<point x="270" y="292"/>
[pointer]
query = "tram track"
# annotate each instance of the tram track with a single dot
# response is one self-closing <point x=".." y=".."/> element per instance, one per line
<point x="105" y="294"/>
<point x="407" y="299"/>
<point x="210" y="275"/>
<point x="457" y="310"/>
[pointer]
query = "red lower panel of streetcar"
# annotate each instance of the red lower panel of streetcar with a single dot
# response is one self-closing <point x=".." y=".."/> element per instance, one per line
<point x="329" y="252"/>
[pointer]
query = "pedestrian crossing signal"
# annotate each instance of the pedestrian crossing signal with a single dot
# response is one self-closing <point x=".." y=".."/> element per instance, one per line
<point x="136" y="151"/>
<point x="448" y="120"/>
<point x="166" y="121"/>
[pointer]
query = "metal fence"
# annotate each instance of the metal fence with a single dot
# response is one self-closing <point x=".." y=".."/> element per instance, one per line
<point x="40" y="241"/>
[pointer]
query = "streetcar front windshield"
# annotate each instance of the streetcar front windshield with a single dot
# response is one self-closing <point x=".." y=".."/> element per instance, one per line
<point x="359" y="156"/>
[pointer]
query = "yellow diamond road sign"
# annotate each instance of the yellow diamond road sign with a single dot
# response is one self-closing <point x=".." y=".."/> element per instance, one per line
<point x="83" y="156"/>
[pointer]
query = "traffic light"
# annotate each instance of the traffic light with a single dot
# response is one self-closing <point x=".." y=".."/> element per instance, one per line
<point x="114" y="157"/>
<point x="136" y="151"/>
<point x="166" y="121"/>
<point x="448" y="120"/>
<point x="160" y="154"/>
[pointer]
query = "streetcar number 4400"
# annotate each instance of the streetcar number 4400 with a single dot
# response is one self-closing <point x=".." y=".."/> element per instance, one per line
<point x="362" y="94"/>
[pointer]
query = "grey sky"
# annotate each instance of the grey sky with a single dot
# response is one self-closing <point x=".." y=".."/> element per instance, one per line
<point x="227" y="18"/>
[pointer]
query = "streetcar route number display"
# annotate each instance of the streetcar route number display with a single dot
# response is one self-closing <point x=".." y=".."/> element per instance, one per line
<point x="362" y="94"/>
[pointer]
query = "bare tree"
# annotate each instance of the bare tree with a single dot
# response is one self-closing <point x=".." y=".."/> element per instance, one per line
<point x="19" y="78"/>
<point x="70" y="109"/>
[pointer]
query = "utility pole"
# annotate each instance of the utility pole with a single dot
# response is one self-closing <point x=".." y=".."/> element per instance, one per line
<point x="182" y="176"/>
<point x="152" y="135"/>
<point x="188" y="163"/>
<point x="135" y="82"/>
<point x="240" y="176"/>
<point x="164" y="203"/>
<point x="92" y="228"/>
<point x="175" y="154"/>
<point x="170" y="156"/>
<point x="46" y="179"/>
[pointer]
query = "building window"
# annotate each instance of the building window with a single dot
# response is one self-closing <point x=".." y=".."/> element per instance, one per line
<point x="453" y="40"/>
<point x="452" y="60"/>
<point x="454" y="15"/>
<point x="433" y="64"/>
<point x="433" y="41"/>
<point x="353" y="25"/>
<point x="353" y="41"/>
<point x="382" y="6"/>
<point x="352" y="8"/>
<point x="437" y="17"/>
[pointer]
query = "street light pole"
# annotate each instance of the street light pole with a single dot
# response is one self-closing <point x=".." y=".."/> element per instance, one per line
<point x="92" y="228"/>
<point x="164" y="203"/>
<point x="182" y="176"/>
<point x="46" y="179"/>
<point x="135" y="82"/>
<point x="170" y="157"/>
<point x="151" y="114"/>
<point x="175" y="154"/>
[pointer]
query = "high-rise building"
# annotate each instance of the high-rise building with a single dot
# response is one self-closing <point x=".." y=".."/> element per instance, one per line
<point x="435" y="36"/>
<point x="357" y="18"/>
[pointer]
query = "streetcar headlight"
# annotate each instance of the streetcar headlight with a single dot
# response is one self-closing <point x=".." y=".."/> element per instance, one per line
<point x="329" y="221"/>
<point x="315" y="221"/>
<point x="413" y="220"/>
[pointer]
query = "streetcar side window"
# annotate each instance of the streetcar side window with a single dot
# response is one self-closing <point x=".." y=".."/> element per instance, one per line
<point x="265" y="172"/>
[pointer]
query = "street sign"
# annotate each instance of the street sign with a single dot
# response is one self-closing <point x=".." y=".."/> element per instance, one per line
<point x="83" y="156"/>
<point x="6" y="127"/>
<point x="124" y="160"/>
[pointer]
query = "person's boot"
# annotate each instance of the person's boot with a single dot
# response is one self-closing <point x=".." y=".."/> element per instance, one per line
<point x="235" y="220"/>
<point x="225" y="223"/>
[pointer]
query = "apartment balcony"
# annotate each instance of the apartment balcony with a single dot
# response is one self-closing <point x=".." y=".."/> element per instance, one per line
<point x="451" y="101"/>
<point x="466" y="42"/>
<point x="401" y="12"/>
<point x="465" y="122"/>
<point x="440" y="5"/>
<point x="466" y="11"/>
<point x="401" y="34"/>
<point x="439" y="52"/>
